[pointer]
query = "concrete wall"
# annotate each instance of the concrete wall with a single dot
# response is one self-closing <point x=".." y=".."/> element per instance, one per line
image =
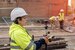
<point x="38" y="8"/>
<point x="73" y="6"/>
<point x="35" y="8"/>
<point x="73" y="3"/>
<point x="56" y="5"/>
<point x="5" y="7"/>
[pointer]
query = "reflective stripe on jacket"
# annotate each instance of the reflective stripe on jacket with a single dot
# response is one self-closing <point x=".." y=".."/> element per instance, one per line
<point x="20" y="39"/>
<point x="61" y="16"/>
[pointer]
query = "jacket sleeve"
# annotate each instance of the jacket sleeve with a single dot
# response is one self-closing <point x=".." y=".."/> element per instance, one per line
<point x="39" y="43"/>
<point x="23" y="39"/>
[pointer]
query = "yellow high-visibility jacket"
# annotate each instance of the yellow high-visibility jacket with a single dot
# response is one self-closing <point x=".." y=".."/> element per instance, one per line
<point x="20" y="39"/>
<point x="61" y="16"/>
<point x="52" y="18"/>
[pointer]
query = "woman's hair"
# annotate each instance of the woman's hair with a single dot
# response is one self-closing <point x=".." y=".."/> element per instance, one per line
<point x="16" y="21"/>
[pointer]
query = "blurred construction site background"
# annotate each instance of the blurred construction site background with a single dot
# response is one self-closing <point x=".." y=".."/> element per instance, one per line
<point x="39" y="11"/>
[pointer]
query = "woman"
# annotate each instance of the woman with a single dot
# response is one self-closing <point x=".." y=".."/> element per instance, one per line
<point x="20" y="38"/>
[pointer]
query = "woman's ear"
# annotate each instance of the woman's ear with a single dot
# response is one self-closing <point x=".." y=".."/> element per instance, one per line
<point x="18" y="20"/>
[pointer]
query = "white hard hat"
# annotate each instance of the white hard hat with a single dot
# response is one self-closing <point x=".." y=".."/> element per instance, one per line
<point x="17" y="12"/>
<point x="61" y="10"/>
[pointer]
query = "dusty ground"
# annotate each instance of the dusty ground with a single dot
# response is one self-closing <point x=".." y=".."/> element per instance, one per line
<point x="38" y="31"/>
